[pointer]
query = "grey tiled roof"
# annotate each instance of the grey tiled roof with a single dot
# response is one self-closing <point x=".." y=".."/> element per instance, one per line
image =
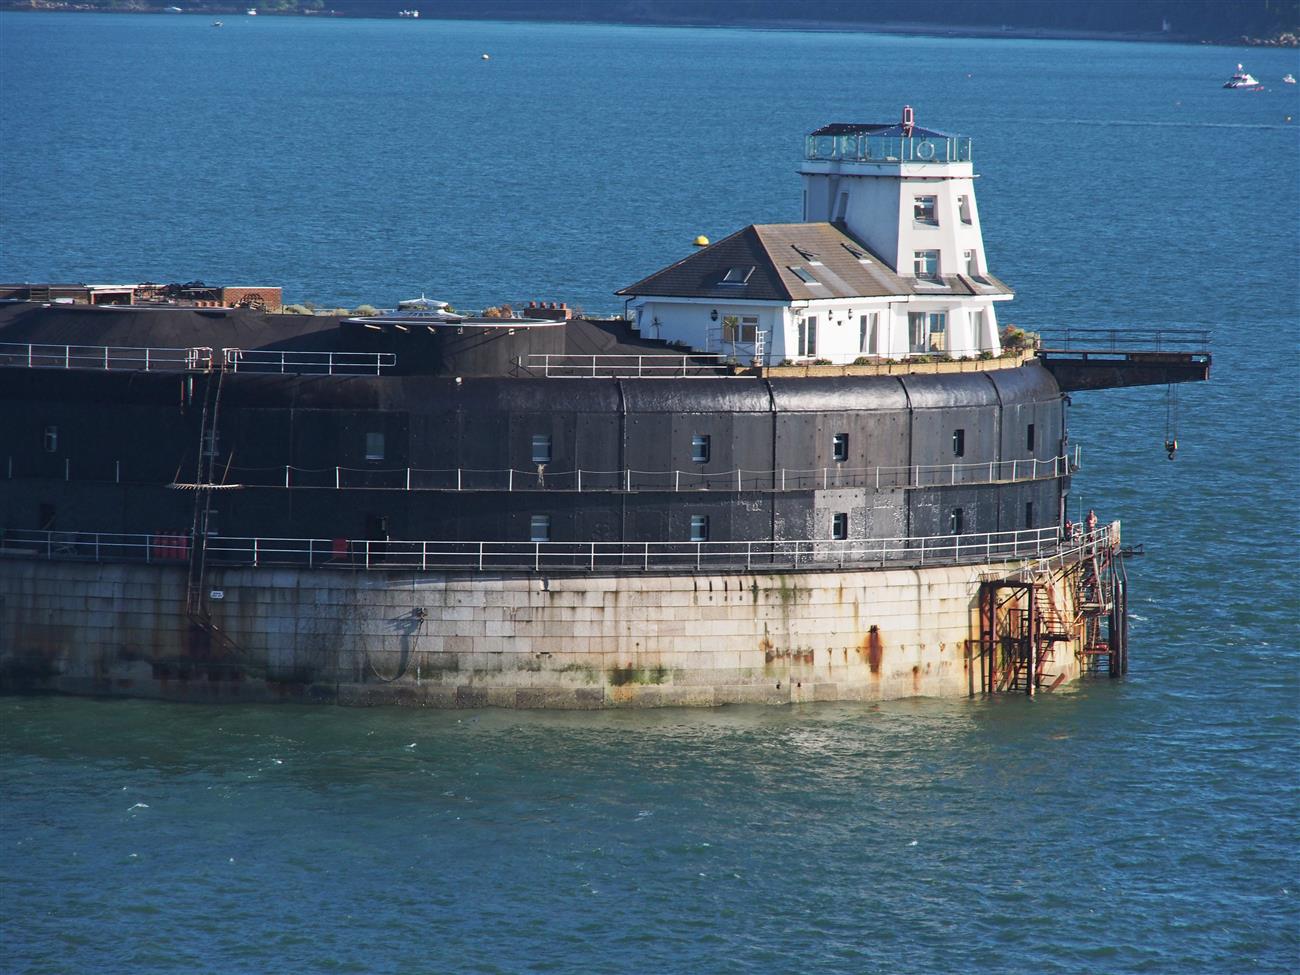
<point x="782" y="257"/>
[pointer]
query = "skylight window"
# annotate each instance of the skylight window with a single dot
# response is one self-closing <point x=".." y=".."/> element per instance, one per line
<point x="738" y="275"/>
<point x="857" y="253"/>
<point x="804" y="275"/>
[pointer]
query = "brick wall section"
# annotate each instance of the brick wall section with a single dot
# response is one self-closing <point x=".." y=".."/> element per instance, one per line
<point x="449" y="640"/>
<point x="272" y="297"/>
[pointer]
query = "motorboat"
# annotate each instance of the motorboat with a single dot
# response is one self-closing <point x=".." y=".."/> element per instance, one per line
<point x="1243" y="80"/>
<point x="1288" y="79"/>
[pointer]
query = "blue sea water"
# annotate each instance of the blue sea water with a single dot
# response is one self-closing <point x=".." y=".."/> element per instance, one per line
<point x="1148" y="825"/>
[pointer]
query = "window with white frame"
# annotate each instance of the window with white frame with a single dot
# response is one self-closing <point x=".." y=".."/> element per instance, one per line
<point x="926" y="263"/>
<point x="541" y="448"/>
<point x="539" y="528"/>
<point x="840" y="526"/>
<point x="840" y="447"/>
<point x="868" y="337"/>
<point x="938" y="329"/>
<point x="916" y="332"/>
<point x="740" y="328"/>
<point x="925" y="209"/>
<point x="700" y="448"/>
<point x="808" y="336"/>
<point x="699" y="528"/>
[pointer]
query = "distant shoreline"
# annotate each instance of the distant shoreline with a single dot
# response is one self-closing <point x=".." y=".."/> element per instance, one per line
<point x="912" y="28"/>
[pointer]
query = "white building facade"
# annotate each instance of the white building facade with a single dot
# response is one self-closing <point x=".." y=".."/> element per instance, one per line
<point x="889" y="263"/>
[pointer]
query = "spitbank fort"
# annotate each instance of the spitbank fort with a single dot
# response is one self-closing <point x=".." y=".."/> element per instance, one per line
<point x="807" y="464"/>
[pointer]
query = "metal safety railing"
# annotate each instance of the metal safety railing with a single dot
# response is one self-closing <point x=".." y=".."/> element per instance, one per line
<point x="626" y="366"/>
<point x="200" y="358"/>
<point x="578" y="556"/>
<point x="102" y="357"/>
<point x="1100" y="341"/>
<point x="542" y="478"/>
<point x="323" y="363"/>
<point x="580" y="480"/>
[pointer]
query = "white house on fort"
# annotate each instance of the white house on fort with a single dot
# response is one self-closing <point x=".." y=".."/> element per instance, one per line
<point x="889" y="262"/>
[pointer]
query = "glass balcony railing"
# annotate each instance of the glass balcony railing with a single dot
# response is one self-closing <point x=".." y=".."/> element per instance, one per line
<point x="884" y="148"/>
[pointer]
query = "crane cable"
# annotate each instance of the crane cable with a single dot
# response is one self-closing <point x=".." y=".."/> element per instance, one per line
<point x="1171" y="421"/>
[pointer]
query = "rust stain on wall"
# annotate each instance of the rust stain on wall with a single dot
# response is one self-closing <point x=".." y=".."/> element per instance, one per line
<point x="873" y="649"/>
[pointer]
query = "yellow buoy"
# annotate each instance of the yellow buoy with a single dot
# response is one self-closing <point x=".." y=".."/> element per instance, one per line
<point x="701" y="241"/>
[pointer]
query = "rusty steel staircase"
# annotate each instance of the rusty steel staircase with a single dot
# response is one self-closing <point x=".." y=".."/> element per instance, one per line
<point x="1024" y="628"/>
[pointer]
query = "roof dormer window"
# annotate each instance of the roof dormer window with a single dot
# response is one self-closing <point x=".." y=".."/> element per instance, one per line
<point x="926" y="264"/>
<point x="738" y="275"/>
<point x="804" y="275"/>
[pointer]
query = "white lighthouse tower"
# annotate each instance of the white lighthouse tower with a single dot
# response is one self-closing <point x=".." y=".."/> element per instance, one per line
<point x="906" y="192"/>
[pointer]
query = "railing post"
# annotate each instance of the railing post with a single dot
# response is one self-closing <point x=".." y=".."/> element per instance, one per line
<point x="537" y="551"/>
<point x="593" y="556"/>
<point x="579" y="480"/>
<point x="424" y="556"/>
<point x="739" y="476"/>
<point x="367" y="553"/>
<point x="646" y="563"/>
<point x="458" y="479"/>
<point x="286" y="475"/>
<point x="510" y="480"/>
<point x="1013" y="469"/>
<point x="67" y="357"/>
<point x="146" y="359"/>
<point x="311" y="552"/>
<point x="255" y="556"/>
<point x="991" y="477"/>
<point x="408" y="479"/>
<point x="480" y="556"/>
<point x="1035" y="470"/>
<point x="782" y="478"/>
<point x="337" y="478"/>
<point x="105" y="357"/>
<point x="67" y="468"/>
<point x="677" y="480"/>
<point x="96" y="546"/>
<point x="628" y="473"/>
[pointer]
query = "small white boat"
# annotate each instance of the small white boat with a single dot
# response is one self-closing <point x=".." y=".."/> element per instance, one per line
<point x="1243" y="80"/>
<point x="1288" y="79"/>
<point x="251" y="11"/>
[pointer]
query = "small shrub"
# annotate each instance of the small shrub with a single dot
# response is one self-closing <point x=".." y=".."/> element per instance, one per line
<point x="822" y="362"/>
<point x="921" y="358"/>
<point x="986" y="355"/>
<point x="297" y="310"/>
<point x="365" y="311"/>
<point x="862" y="361"/>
